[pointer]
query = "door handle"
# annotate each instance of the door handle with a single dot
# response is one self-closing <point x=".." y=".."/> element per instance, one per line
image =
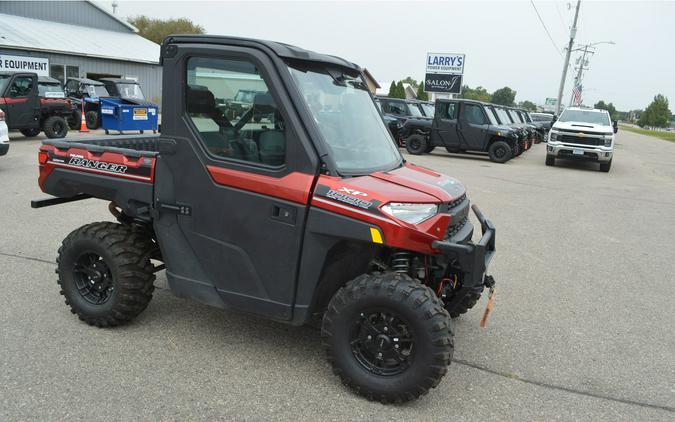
<point x="283" y="214"/>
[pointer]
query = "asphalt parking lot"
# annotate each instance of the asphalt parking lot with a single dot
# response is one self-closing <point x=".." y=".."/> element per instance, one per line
<point x="582" y="329"/>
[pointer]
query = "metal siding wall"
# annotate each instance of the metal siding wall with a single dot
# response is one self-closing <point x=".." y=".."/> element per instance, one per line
<point x="149" y="76"/>
<point x="72" y="12"/>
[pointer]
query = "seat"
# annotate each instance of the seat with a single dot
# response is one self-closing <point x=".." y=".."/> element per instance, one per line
<point x="272" y="147"/>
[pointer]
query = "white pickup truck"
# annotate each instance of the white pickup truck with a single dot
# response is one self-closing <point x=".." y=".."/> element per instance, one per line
<point x="582" y="133"/>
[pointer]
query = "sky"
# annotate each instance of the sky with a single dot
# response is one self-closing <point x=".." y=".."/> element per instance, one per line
<point x="505" y="43"/>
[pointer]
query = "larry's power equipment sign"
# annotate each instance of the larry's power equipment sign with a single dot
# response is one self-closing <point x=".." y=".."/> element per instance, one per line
<point x="37" y="65"/>
<point x="445" y="63"/>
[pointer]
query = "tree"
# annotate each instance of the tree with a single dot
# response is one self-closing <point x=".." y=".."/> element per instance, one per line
<point x="609" y="107"/>
<point x="392" y="90"/>
<point x="400" y="91"/>
<point x="411" y="81"/>
<point x="157" y="29"/>
<point x="528" y="105"/>
<point x="421" y="94"/>
<point x="478" y="94"/>
<point x="657" y="114"/>
<point x="504" y="96"/>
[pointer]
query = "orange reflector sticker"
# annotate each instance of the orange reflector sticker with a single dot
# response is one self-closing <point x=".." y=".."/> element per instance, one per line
<point x="376" y="235"/>
<point x="488" y="307"/>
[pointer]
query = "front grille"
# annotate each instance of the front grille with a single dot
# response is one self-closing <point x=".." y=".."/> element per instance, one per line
<point x="452" y="204"/>
<point x="455" y="226"/>
<point x="458" y="209"/>
<point x="580" y="140"/>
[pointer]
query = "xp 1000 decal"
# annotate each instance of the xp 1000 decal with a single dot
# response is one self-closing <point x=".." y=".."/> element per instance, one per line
<point x="348" y="196"/>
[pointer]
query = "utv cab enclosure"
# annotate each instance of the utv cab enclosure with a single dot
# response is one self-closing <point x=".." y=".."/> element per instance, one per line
<point x="85" y="91"/>
<point x="461" y="126"/>
<point x="30" y="112"/>
<point x="312" y="215"/>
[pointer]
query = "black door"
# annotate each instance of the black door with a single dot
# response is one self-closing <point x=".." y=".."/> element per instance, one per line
<point x="235" y="184"/>
<point x="445" y="125"/>
<point x="22" y="102"/>
<point x="473" y="127"/>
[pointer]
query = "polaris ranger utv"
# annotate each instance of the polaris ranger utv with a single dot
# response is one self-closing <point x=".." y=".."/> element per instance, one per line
<point x="312" y="215"/>
<point x="461" y="126"/>
<point x="28" y="110"/>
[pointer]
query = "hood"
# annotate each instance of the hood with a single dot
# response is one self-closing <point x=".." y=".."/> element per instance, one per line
<point x="582" y="127"/>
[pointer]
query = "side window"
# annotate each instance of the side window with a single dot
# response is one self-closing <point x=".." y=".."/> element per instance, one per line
<point x="21" y="87"/>
<point x="474" y="114"/>
<point x="451" y="112"/>
<point x="71" y="87"/>
<point x="230" y="104"/>
<point x="394" y="107"/>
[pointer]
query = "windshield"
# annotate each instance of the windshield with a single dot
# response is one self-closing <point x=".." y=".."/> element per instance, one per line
<point x="54" y="90"/>
<point x="585" y="116"/>
<point x="346" y="117"/>
<point x="516" y="116"/>
<point x="428" y="109"/>
<point x="542" y="117"/>
<point x="505" y="118"/>
<point x="414" y="110"/>
<point x="527" y="117"/>
<point x="130" y="91"/>
<point x="95" y="91"/>
<point x="491" y="116"/>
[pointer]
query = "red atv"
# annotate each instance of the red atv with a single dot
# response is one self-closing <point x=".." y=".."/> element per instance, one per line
<point x="309" y="214"/>
<point x="29" y="110"/>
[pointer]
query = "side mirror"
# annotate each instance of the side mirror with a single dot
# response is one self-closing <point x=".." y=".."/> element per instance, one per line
<point x="555" y="119"/>
<point x="615" y="124"/>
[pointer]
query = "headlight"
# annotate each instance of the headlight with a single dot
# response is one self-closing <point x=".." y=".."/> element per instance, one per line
<point x="608" y="141"/>
<point x="554" y="136"/>
<point x="411" y="213"/>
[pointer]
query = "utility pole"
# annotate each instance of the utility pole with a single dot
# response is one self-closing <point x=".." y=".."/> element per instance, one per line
<point x="573" y="33"/>
<point x="582" y="64"/>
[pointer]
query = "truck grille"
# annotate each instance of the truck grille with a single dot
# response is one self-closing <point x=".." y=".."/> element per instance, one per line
<point x="581" y="140"/>
<point x="459" y="210"/>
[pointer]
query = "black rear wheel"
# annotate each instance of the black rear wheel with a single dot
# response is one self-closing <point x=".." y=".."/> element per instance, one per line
<point x="416" y="144"/>
<point x="105" y="273"/>
<point x="604" y="167"/>
<point x="387" y="337"/>
<point x="91" y="118"/>
<point x="29" y="133"/>
<point x="75" y="120"/>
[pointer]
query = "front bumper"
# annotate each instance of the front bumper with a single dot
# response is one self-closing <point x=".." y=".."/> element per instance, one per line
<point x="4" y="147"/>
<point x="593" y="153"/>
<point x="472" y="258"/>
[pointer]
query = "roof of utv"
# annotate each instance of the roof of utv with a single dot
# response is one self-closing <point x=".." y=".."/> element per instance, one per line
<point x="48" y="80"/>
<point x="280" y="49"/>
<point x="87" y="81"/>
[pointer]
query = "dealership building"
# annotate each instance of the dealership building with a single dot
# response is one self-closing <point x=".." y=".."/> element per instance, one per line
<point x="65" y="39"/>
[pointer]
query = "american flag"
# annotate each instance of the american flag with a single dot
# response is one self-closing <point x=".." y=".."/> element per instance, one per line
<point x="576" y="93"/>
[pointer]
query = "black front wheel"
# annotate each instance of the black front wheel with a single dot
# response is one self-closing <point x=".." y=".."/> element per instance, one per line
<point x="388" y="337"/>
<point x="550" y="160"/>
<point x="75" y="120"/>
<point x="91" y="118"/>
<point x="499" y="152"/>
<point x="55" y="127"/>
<point x="416" y="144"/>
<point x="105" y="273"/>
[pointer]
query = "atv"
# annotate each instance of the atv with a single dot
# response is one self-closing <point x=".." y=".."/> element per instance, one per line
<point x="312" y="217"/>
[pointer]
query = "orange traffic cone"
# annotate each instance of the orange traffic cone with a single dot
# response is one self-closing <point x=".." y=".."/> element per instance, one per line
<point x="83" y="122"/>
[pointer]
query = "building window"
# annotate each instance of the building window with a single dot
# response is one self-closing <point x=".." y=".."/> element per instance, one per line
<point x="72" y="72"/>
<point x="56" y="71"/>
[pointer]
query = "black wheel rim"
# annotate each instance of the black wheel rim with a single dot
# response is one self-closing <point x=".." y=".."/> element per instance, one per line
<point x="382" y="342"/>
<point x="415" y="144"/>
<point x="500" y="152"/>
<point x="93" y="278"/>
<point x="58" y="127"/>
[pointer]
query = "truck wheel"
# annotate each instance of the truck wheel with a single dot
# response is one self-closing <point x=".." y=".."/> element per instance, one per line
<point x="499" y="152"/>
<point x="105" y="273"/>
<point x="550" y="160"/>
<point x="387" y="337"/>
<point x="604" y="167"/>
<point x="416" y="144"/>
<point x="75" y="120"/>
<point x="30" y="133"/>
<point x="91" y="117"/>
<point x="55" y="127"/>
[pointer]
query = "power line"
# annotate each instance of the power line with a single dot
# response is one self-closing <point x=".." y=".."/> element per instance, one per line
<point x="546" y="29"/>
<point x="563" y="21"/>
